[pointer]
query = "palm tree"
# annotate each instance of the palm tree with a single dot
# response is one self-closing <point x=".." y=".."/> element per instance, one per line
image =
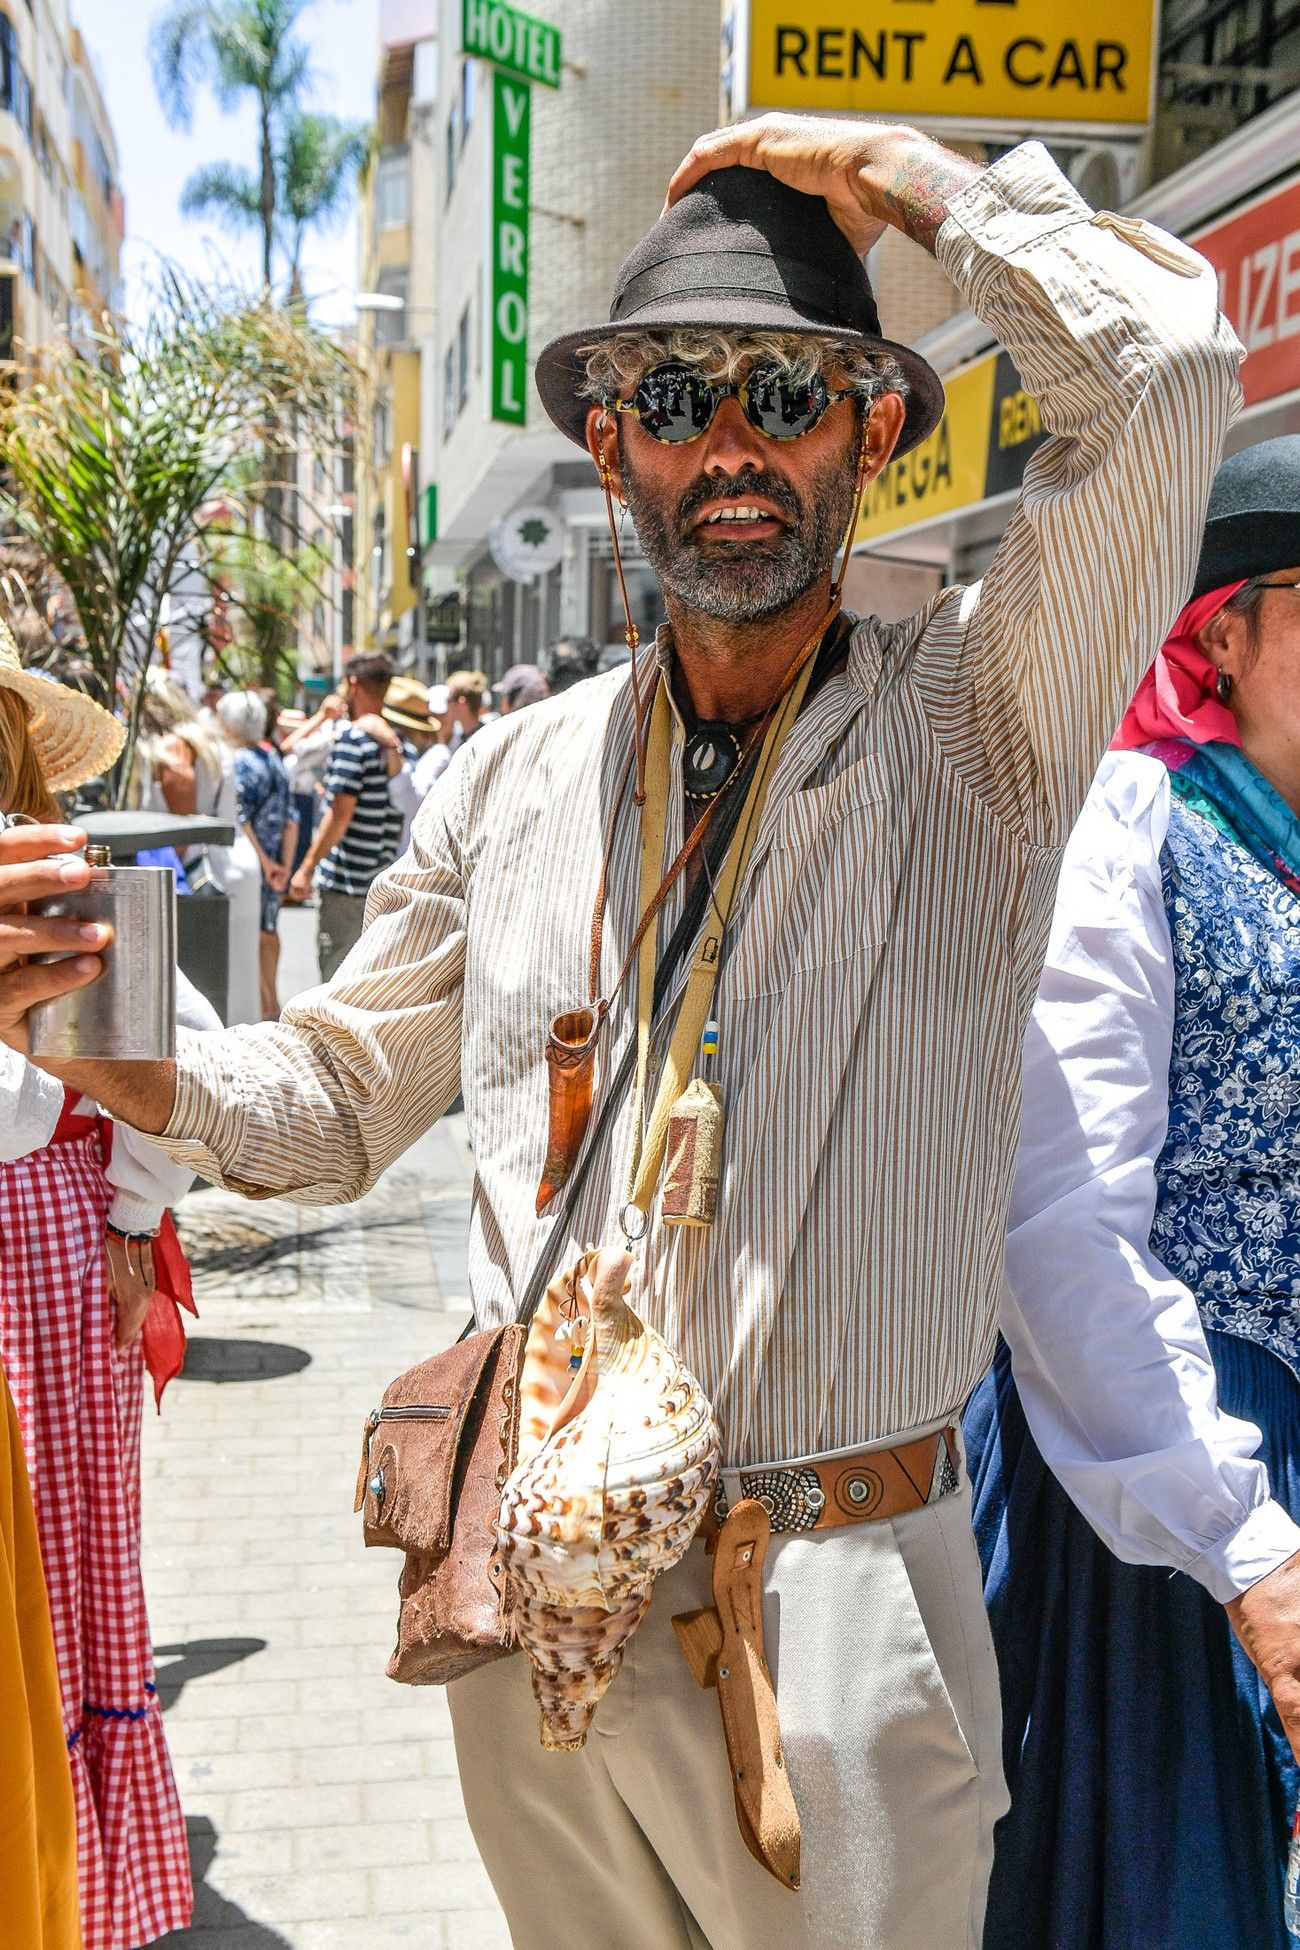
<point x="320" y="158"/>
<point x="317" y="159"/>
<point x="238" y="47"/>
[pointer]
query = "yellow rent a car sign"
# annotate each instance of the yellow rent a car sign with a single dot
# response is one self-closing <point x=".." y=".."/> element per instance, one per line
<point x="1017" y="61"/>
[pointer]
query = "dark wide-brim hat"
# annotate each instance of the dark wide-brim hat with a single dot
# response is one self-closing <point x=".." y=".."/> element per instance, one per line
<point x="740" y="252"/>
<point x="1252" y="523"/>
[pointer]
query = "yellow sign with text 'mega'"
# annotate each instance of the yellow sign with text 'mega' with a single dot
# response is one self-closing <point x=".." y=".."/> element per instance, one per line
<point x="979" y="449"/>
<point x="1017" y="61"/>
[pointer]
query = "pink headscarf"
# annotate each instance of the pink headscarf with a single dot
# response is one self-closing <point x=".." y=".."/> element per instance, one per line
<point x="1177" y="697"/>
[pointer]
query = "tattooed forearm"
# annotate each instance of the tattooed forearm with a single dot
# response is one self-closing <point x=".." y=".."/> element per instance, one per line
<point x="916" y="190"/>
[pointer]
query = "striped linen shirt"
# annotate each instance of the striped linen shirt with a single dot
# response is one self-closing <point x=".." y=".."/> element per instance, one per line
<point x="892" y="921"/>
<point x="374" y="833"/>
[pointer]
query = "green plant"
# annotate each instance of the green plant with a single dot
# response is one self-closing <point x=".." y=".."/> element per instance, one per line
<point x="128" y="470"/>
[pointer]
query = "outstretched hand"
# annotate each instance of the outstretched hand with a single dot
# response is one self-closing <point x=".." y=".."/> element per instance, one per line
<point x="30" y="870"/>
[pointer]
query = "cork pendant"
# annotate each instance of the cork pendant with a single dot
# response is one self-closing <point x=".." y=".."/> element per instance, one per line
<point x="570" y="1068"/>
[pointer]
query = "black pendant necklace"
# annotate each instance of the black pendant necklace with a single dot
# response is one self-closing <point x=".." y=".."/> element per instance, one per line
<point x="710" y="756"/>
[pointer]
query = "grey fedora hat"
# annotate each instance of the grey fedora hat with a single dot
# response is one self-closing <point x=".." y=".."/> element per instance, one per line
<point x="740" y="252"/>
<point x="1252" y="523"/>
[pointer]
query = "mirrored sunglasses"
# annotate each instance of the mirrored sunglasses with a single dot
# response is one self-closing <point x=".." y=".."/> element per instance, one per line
<point x="677" y="402"/>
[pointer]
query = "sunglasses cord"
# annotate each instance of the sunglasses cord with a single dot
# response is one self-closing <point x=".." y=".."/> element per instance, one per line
<point x="632" y="638"/>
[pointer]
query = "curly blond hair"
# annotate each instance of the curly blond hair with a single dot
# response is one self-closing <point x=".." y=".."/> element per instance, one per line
<point x="615" y="365"/>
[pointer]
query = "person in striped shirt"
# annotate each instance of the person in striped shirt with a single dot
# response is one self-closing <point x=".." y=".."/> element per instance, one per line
<point x="362" y="828"/>
<point x="878" y="967"/>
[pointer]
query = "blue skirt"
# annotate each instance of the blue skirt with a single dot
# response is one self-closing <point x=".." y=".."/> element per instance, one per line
<point x="1152" y="1787"/>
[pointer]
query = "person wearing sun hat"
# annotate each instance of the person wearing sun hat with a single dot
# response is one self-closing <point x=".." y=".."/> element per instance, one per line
<point x="841" y="837"/>
<point x="74" y="738"/>
<point x="87" y="1264"/>
<point x="406" y="725"/>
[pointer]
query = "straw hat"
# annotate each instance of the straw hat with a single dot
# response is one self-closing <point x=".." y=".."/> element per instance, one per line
<point x="406" y="705"/>
<point x="75" y="738"/>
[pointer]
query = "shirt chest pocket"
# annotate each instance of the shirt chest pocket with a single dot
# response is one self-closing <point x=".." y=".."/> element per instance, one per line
<point x="822" y="889"/>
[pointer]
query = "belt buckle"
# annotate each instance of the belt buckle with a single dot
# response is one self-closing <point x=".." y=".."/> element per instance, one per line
<point x="793" y="1498"/>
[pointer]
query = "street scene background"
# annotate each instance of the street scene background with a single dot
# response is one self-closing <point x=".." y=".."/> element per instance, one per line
<point x="314" y="247"/>
<point x="321" y="1799"/>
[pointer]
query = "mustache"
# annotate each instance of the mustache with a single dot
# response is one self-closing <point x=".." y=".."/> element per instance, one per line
<point x="741" y="487"/>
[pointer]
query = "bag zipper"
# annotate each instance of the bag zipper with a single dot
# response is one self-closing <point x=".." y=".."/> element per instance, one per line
<point x="396" y="1412"/>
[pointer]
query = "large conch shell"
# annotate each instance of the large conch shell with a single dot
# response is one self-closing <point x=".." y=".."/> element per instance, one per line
<point x="618" y="1452"/>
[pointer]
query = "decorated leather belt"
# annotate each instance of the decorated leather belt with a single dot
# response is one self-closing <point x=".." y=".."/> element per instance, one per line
<point x="864" y="1488"/>
<point x="723" y="1643"/>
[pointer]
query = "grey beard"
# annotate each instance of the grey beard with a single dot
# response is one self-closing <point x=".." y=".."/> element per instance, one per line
<point x="752" y="579"/>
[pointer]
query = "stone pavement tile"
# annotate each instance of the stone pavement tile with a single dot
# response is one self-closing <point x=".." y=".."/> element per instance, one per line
<point x="432" y="1886"/>
<point x="247" y="1852"/>
<point x="390" y="1933"/>
<point x="268" y="1731"/>
<point x="296" y="1807"/>
<point x="478" y="1929"/>
<point x="187" y="1737"/>
<point x="395" y="1843"/>
<point x="437" y="1799"/>
<point x="389" y="1764"/>
<point x="286" y="1899"/>
<point x="223" y="1773"/>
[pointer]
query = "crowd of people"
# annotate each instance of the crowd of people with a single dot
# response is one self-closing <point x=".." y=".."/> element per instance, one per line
<point x="975" y="935"/>
<point x="321" y="803"/>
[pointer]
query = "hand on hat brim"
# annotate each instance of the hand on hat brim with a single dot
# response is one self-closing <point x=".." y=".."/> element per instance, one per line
<point x="812" y="154"/>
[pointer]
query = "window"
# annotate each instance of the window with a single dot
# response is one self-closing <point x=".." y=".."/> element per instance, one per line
<point x="448" y="391"/>
<point x="451" y="149"/>
<point x="462" y="360"/>
<point x="390" y="326"/>
<point x="18" y="246"/>
<point x="466" y="100"/>
<point x="392" y="184"/>
<point x="15" y="88"/>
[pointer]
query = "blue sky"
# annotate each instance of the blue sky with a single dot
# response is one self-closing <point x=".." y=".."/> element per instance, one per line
<point x="156" y="159"/>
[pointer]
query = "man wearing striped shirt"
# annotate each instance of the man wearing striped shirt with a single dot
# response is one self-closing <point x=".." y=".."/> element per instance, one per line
<point x="362" y="828"/>
<point x="878" y="969"/>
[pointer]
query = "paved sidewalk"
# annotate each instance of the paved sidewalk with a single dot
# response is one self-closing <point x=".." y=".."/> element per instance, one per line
<point x="322" y="1801"/>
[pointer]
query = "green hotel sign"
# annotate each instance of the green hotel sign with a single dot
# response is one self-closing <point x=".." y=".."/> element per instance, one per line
<point x="514" y="43"/>
<point x="521" y="50"/>
<point x="511" y="116"/>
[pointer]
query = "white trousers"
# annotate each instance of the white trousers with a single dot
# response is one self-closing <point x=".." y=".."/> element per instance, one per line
<point x="888" y="1696"/>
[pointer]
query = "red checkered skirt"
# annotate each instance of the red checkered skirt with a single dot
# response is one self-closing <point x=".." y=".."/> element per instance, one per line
<point x="79" y="1406"/>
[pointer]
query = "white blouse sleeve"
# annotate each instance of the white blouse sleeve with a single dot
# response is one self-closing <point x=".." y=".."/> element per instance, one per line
<point x="1107" y="1347"/>
<point x="144" y="1179"/>
<point x="30" y="1102"/>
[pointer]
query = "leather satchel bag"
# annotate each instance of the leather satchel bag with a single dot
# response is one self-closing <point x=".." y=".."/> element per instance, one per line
<point x="434" y="1460"/>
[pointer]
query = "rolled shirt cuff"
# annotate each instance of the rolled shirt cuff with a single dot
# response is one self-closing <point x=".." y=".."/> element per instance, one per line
<point x="1014" y="202"/>
<point x="132" y="1214"/>
<point x="1262" y="1541"/>
<point x="209" y="1119"/>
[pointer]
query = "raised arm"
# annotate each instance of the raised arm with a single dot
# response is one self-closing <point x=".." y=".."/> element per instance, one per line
<point x="1115" y="330"/>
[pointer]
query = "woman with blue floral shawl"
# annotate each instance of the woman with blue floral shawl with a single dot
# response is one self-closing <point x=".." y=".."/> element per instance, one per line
<point x="1151" y="1377"/>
